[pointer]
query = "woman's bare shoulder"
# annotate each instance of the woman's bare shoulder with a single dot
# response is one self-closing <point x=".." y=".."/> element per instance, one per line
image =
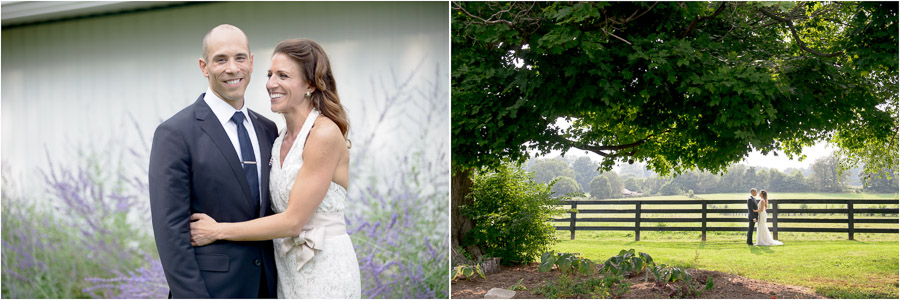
<point x="326" y="133"/>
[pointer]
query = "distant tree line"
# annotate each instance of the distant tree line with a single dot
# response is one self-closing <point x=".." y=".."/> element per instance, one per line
<point x="579" y="175"/>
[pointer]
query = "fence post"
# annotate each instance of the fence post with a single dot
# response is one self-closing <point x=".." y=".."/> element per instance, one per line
<point x="775" y="219"/>
<point x="637" y="222"/>
<point x="850" y="218"/>
<point x="703" y="231"/>
<point x="572" y="222"/>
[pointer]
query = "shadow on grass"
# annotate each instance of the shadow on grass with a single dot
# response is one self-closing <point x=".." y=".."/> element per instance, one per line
<point x="760" y="250"/>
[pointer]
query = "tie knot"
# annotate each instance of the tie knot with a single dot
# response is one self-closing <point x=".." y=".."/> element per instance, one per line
<point x="238" y="118"/>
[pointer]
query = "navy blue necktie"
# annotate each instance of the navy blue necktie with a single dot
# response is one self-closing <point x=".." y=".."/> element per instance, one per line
<point x="249" y="160"/>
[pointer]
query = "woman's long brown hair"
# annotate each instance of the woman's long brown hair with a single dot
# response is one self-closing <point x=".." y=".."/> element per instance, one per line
<point x="316" y="70"/>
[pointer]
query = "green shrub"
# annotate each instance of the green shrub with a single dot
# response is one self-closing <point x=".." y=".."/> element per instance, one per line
<point x="466" y="272"/>
<point x="563" y="185"/>
<point x="596" y="287"/>
<point x="665" y="274"/>
<point x="562" y="286"/>
<point x="627" y="263"/>
<point x="509" y="211"/>
<point x="567" y="263"/>
<point x="609" y="280"/>
<point x="518" y="286"/>
<point x="600" y="188"/>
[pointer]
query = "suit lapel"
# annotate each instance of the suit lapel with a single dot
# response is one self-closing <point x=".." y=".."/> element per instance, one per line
<point x="211" y="126"/>
<point x="265" y="153"/>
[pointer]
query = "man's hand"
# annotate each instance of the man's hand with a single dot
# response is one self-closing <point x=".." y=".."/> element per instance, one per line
<point x="754" y="220"/>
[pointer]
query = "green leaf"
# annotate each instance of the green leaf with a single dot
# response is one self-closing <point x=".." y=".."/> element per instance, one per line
<point x="547" y="262"/>
<point x="638" y="264"/>
<point x="468" y="272"/>
<point x="586" y="267"/>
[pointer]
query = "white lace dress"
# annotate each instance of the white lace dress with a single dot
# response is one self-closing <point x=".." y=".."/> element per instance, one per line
<point x="763" y="236"/>
<point x="333" y="270"/>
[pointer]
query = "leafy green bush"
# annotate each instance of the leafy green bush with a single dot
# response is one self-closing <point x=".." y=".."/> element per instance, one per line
<point x="608" y="280"/>
<point x="563" y="186"/>
<point x="567" y="263"/>
<point x="518" y="286"/>
<point x="627" y="263"/>
<point x="600" y="287"/>
<point x="466" y="271"/>
<point x="665" y="274"/>
<point x="510" y="211"/>
<point x="600" y="188"/>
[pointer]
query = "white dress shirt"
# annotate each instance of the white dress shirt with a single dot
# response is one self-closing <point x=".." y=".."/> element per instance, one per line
<point x="224" y="112"/>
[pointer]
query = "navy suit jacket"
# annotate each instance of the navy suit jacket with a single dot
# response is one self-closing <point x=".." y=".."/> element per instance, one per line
<point x="751" y="206"/>
<point x="194" y="168"/>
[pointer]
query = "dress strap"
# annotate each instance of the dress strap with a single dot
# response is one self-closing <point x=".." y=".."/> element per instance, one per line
<point x="307" y="127"/>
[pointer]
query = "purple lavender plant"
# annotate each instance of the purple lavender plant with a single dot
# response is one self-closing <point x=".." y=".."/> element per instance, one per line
<point x="399" y="255"/>
<point x="398" y="219"/>
<point x="147" y="282"/>
<point x="59" y="244"/>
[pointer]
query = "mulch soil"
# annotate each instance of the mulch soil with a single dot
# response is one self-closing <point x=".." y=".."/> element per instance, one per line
<point x="726" y="286"/>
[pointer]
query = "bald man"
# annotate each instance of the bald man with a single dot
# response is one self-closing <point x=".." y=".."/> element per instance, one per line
<point x="212" y="157"/>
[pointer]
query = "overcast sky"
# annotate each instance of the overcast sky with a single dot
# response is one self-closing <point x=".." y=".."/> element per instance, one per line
<point x="755" y="158"/>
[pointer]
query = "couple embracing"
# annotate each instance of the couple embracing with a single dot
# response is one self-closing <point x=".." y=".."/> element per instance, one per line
<point x="241" y="211"/>
<point x="757" y="215"/>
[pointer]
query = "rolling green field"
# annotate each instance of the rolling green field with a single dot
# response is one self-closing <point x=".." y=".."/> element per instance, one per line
<point x="866" y="267"/>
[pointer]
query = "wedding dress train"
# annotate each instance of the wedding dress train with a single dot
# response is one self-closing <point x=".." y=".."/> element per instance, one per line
<point x="763" y="236"/>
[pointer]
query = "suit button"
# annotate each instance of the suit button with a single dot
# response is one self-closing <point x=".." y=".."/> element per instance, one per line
<point x="257" y="262"/>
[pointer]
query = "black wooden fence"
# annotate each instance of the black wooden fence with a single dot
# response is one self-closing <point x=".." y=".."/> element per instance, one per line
<point x="774" y="220"/>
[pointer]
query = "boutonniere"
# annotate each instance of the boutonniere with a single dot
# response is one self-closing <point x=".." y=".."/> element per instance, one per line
<point x="270" y="160"/>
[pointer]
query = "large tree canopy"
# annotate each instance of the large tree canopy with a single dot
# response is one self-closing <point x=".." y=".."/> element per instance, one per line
<point x="678" y="85"/>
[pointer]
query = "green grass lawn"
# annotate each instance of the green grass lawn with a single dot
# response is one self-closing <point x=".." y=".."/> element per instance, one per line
<point x="826" y="262"/>
<point x="834" y="268"/>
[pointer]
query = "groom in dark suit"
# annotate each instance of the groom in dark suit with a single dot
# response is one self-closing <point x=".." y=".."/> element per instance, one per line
<point x="212" y="157"/>
<point x="752" y="215"/>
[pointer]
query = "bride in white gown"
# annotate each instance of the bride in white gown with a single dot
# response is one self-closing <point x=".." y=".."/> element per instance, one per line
<point x="763" y="236"/>
<point x="310" y="165"/>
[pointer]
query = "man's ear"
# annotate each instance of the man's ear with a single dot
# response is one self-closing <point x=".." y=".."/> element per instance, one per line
<point x="251" y="62"/>
<point x="203" y="67"/>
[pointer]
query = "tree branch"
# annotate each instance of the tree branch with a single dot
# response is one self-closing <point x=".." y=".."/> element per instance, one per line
<point x="606" y="151"/>
<point x="615" y="36"/>
<point x="632" y="17"/>
<point x="460" y="8"/>
<point x="790" y="24"/>
<point x="693" y="25"/>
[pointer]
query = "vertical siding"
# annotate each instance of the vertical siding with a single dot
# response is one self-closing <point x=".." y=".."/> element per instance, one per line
<point x="74" y="83"/>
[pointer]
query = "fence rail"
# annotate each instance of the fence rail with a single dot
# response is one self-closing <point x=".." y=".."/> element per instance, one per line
<point x="639" y="210"/>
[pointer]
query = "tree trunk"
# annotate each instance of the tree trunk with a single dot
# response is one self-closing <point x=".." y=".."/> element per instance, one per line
<point x="460" y="187"/>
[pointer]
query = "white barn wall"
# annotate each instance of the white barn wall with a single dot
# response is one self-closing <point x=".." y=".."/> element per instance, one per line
<point x="73" y="84"/>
